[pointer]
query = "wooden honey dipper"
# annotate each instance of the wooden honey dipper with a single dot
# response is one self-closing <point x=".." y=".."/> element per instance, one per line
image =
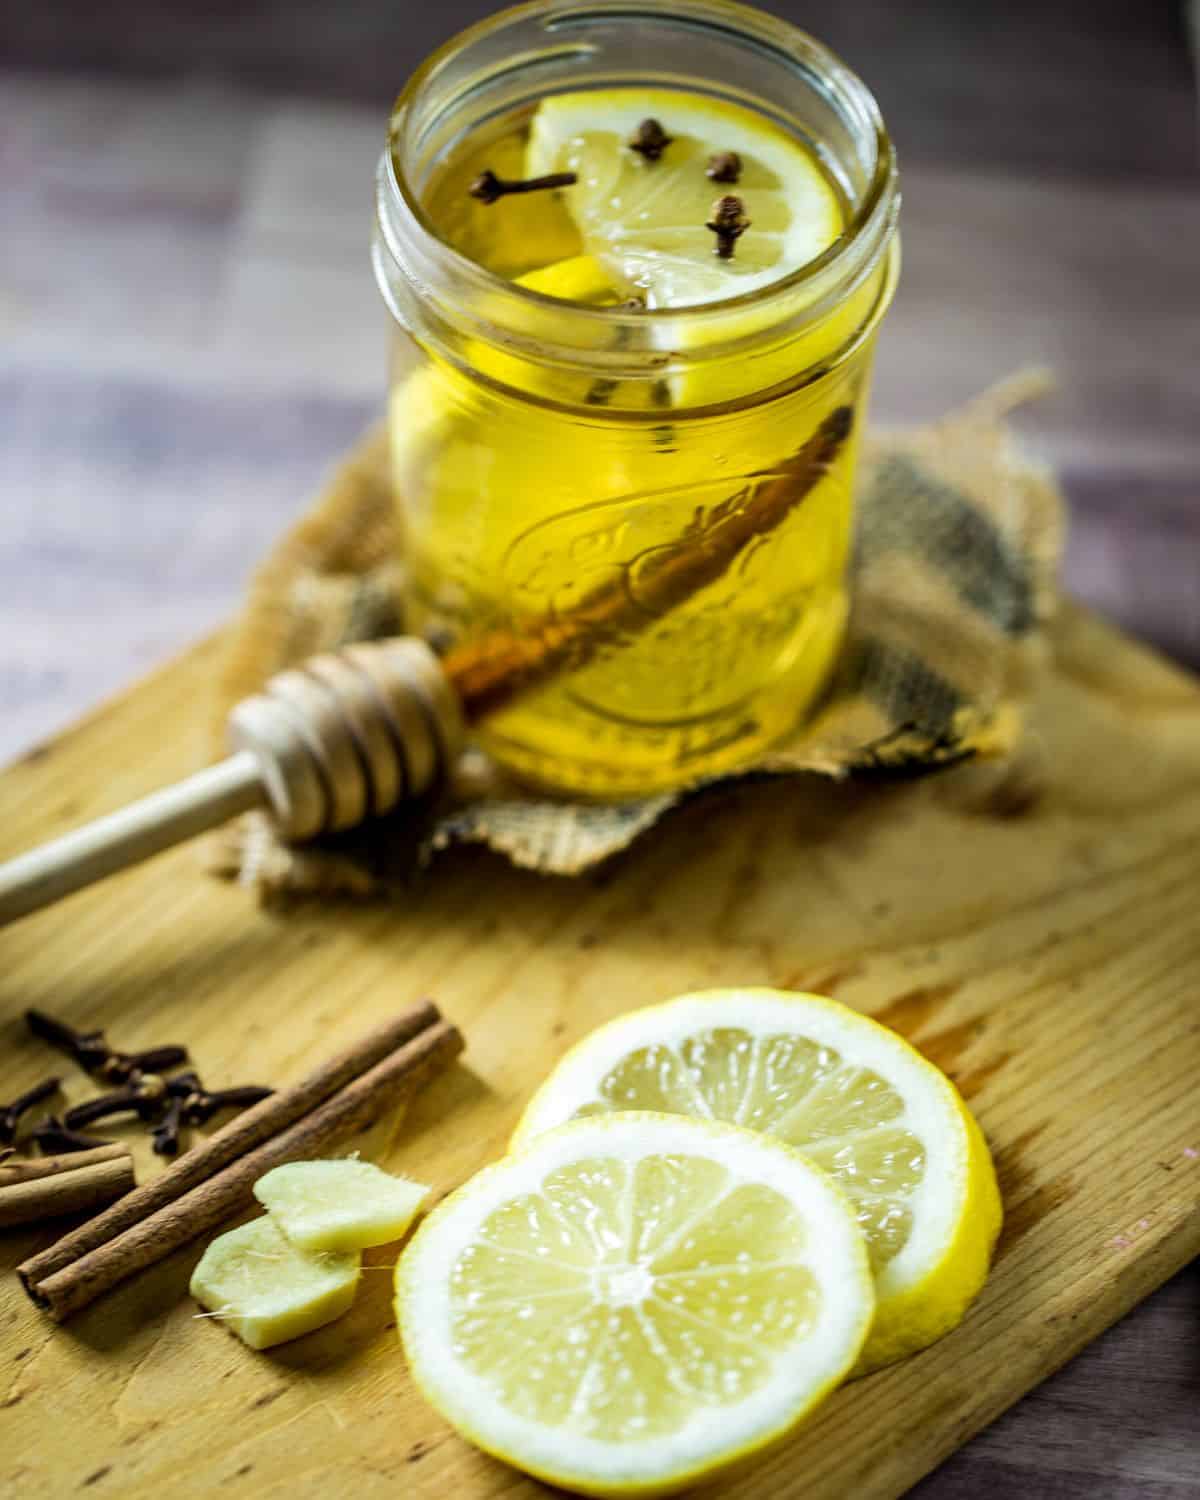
<point x="352" y="734"/>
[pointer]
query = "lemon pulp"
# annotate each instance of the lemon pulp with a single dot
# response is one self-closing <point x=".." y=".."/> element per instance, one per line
<point x="860" y="1103"/>
<point x="632" y="1302"/>
<point x="647" y="219"/>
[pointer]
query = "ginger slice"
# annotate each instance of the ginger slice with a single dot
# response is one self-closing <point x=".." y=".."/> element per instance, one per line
<point x="339" y="1205"/>
<point x="266" y="1289"/>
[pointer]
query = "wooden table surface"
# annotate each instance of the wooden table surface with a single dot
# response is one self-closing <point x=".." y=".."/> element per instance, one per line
<point x="189" y="335"/>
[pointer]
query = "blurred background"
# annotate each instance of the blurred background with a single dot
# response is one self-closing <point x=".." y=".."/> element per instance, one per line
<point x="189" y="331"/>
<point x="190" y="335"/>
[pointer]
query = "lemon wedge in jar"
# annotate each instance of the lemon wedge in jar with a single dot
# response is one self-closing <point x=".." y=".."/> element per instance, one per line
<point x="424" y="405"/>
<point x="632" y="1303"/>
<point x="854" y="1097"/>
<point x="581" y="278"/>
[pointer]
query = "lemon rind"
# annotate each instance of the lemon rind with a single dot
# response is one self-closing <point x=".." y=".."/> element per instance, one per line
<point x="713" y="1437"/>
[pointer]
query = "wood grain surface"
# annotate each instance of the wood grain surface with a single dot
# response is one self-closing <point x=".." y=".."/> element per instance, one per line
<point x="1049" y="961"/>
<point x="189" y="335"/>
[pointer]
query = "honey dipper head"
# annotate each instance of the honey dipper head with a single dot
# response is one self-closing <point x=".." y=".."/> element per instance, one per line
<point x="350" y="735"/>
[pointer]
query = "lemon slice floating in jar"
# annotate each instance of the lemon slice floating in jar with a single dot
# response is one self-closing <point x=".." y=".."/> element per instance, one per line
<point x="645" y="222"/>
<point x="854" y="1097"/>
<point x="645" y="219"/>
<point x="632" y="1302"/>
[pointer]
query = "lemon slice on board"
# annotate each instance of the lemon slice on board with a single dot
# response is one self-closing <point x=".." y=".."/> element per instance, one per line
<point x="853" y="1096"/>
<point x="646" y="220"/>
<point x="632" y="1302"/>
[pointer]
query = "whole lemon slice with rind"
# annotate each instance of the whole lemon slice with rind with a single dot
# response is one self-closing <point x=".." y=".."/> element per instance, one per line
<point x="632" y="1302"/>
<point x="647" y="220"/>
<point x="850" y="1094"/>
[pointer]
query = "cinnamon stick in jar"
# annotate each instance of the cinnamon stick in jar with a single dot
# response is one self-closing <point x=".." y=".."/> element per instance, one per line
<point x="53" y="1186"/>
<point x="65" y="1286"/>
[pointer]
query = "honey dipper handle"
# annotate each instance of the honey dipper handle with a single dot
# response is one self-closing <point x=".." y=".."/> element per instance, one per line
<point x="344" y="737"/>
<point x="134" y="833"/>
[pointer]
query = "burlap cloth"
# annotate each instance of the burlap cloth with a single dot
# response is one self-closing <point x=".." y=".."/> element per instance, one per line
<point x="959" y="536"/>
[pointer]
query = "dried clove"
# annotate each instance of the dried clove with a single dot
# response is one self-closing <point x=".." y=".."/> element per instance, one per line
<point x="164" y="1138"/>
<point x="728" y="223"/>
<point x="190" y="1103"/>
<point x="724" y="166"/>
<point x="200" y="1104"/>
<point x="121" y="1067"/>
<point x="53" y="1138"/>
<point x="167" y="1103"/>
<point x="10" y="1114"/>
<point x="487" y="187"/>
<point x="601" y="391"/>
<point x="88" y="1048"/>
<point x="144" y="1096"/>
<point x="91" y="1050"/>
<point x="650" y="140"/>
<point x="237" y="1098"/>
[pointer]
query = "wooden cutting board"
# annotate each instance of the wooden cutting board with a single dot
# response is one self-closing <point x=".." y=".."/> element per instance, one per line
<point x="1047" y="956"/>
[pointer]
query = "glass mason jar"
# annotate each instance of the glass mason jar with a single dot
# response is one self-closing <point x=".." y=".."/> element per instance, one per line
<point x="629" y="528"/>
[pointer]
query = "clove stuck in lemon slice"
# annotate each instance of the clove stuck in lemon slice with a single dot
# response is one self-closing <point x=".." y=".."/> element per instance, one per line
<point x="647" y="219"/>
<point x="650" y="223"/>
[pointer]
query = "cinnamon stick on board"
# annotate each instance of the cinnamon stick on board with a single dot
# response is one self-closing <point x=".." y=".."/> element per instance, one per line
<point x="16" y="1169"/>
<point x="51" y="1186"/>
<point x="246" y="1131"/>
<point x="212" y="1181"/>
<point x="388" y="1084"/>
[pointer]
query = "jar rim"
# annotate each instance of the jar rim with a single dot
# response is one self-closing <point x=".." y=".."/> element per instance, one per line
<point x="877" y="205"/>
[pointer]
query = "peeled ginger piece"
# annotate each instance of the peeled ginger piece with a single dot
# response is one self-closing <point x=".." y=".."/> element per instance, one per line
<point x="267" y="1290"/>
<point x="339" y="1205"/>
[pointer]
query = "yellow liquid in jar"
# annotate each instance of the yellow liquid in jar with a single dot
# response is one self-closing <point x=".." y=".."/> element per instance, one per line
<point x="522" y="502"/>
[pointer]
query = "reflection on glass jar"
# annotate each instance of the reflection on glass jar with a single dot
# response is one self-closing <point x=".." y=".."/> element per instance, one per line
<point x="665" y="493"/>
